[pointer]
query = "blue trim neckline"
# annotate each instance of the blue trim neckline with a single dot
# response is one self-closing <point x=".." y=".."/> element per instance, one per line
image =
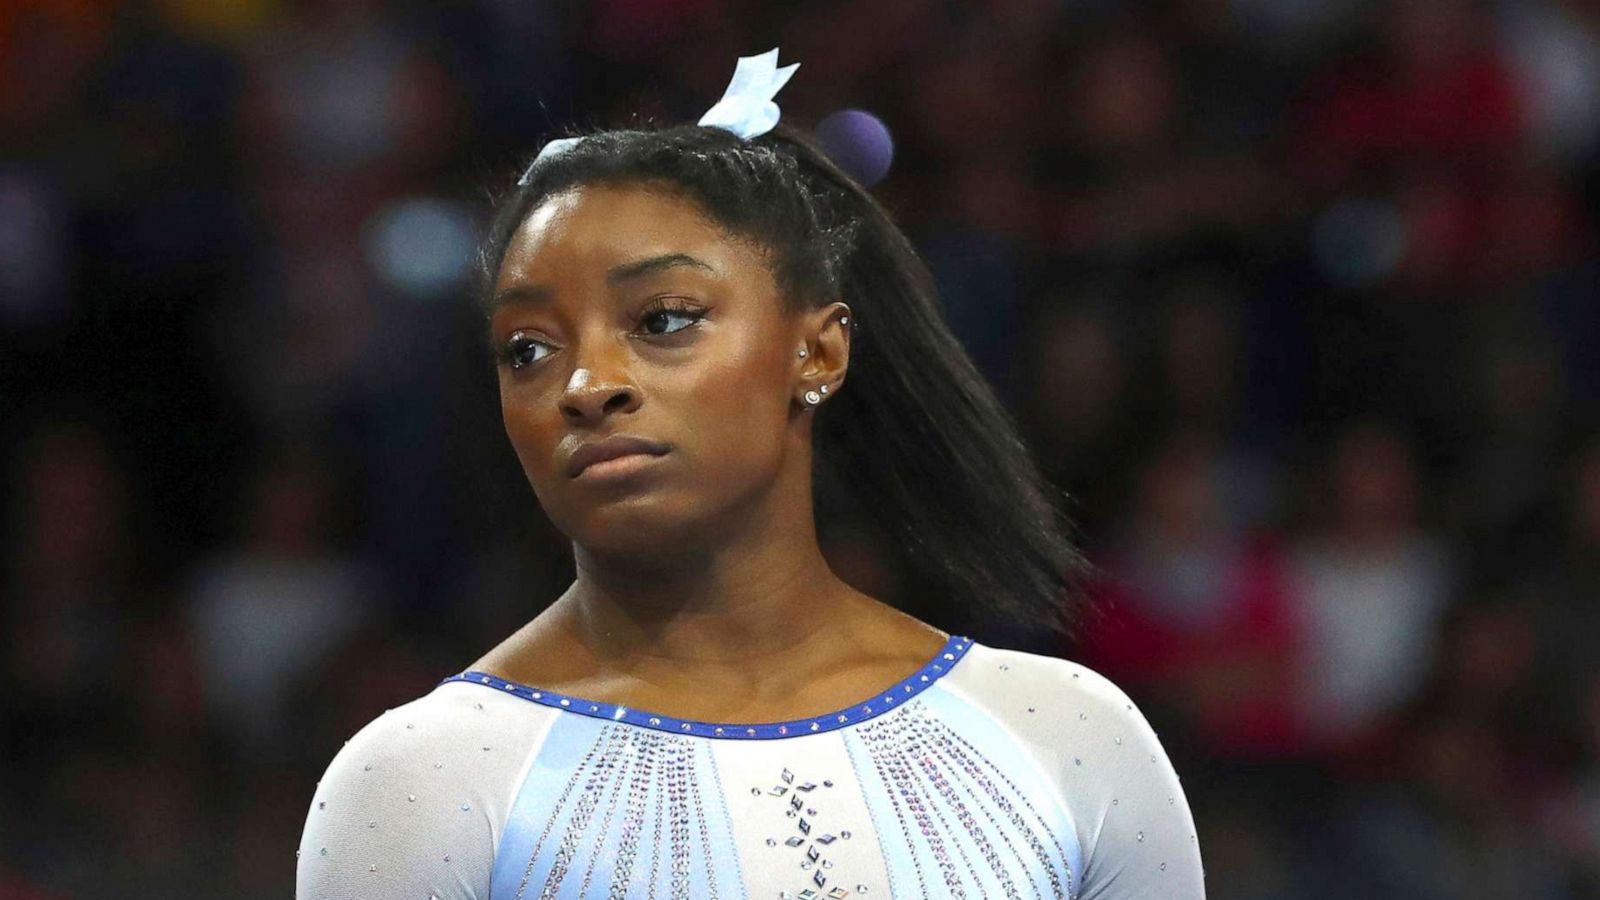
<point x="954" y="649"/>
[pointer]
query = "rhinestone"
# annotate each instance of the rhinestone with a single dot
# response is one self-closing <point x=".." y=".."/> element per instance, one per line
<point x="772" y="842"/>
<point x="480" y="705"/>
<point x="486" y="748"/>
<point x="1141" y="837"/>
<point x="1082" y="716"/>
<point x="438" y="765"/>
<point x="372" y="823"/>
<point x="322" y="804"/>
<point x="411" y="726"/>
<point x="565" y="702"/>
<point x="949" y="656"/>
<point x="538" y="695"/>
<point x="827" y="784"/>
<point x="783" y="729"/>
<point x="1074" y="674"/>
<point x="466" y="807"/>
<point x="861" y="889"/>
<point x="1076" y="761"/>
<point x="750" y="731"/>
<point x="845" y="835"/>
<point x="411" y="798"/>
<point x="1169" y="801"/>
<point x="297" y="854"/>
<point x="367" y="767"/>
<point x="372" y="868"/>
<point x="684" y="726"/>
<point x="755" y="792"/>
<point x="1163" y="867"/>
<point x="654" y="721"/>
<point x="447" y="857"/>
<point x="511" y="687"/>
<point x="593" y="708"/>
<point x="719" y="731"/>
<point x="1114" y="801"/>
<point x="787" y="776"/>
<point x="1004" y="667"/>
<point x="814" y="726"/>
<point x="1119" y="741"/>
<point x="1030" y="709"/>
<point x="324" y="851"/>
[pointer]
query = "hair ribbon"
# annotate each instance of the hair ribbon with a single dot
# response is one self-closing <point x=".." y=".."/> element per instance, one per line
<point x="746" y="108"/>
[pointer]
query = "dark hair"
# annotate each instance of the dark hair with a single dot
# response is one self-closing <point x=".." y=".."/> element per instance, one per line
<point x="916" y="440"/>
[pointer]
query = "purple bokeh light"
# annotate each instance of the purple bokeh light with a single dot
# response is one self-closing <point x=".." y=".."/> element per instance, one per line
<point x="858" y="142"/>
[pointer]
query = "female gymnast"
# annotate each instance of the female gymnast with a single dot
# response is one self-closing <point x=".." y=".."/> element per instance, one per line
<point x="709" y="710"/>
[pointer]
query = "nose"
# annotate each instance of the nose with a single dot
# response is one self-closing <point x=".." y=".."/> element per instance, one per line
<point x="591" y="397"/>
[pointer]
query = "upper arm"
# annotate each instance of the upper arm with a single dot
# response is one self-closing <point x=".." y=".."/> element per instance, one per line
<point x="400" y="812"/>
<point x="1139" y="834"/>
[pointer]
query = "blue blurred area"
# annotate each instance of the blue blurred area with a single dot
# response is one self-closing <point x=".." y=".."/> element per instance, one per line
<point x="1299" y="301"/>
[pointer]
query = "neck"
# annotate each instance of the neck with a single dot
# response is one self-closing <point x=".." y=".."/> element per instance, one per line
<point x="759" y="594"/>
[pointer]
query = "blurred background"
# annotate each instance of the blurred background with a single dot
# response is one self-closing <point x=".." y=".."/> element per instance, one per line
<point x="1299" y="299"/>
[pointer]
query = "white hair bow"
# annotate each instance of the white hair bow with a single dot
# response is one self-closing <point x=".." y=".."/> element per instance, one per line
<point x="746" y="108"/>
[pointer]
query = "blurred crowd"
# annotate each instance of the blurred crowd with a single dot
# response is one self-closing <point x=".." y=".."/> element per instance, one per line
<point x="1298" y="300"/>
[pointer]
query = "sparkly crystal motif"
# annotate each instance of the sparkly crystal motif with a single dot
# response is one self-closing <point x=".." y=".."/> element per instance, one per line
<point x="628" y="779"/>
<point x="978" y="826"/>
<point x="811" y="846"/>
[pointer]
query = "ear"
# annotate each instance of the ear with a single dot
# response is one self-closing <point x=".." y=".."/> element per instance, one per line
<point x="825" y="337"/>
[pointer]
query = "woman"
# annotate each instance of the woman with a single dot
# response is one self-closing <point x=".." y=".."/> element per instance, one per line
<point x="709" y="711"/>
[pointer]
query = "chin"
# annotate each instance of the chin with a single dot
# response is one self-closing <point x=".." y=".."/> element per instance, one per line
<point x="642" y="523"/>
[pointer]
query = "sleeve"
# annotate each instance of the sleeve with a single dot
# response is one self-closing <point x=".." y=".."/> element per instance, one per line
<point x="1135" y="827"/>
<point x="407" y="808"/>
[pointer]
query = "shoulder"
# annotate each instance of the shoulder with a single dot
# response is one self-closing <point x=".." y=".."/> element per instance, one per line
<point x="1013" y="680"/>
<point x="415" y="802"/>
<point x="1111" y="771"/>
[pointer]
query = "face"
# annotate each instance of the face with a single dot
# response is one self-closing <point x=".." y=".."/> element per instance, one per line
<point x="623" y="310"/>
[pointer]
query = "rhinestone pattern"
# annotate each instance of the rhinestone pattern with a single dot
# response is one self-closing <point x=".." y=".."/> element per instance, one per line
<point x="947" y="796"/>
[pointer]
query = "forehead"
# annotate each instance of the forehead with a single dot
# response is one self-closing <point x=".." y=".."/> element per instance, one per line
<point x="599" y="226"/>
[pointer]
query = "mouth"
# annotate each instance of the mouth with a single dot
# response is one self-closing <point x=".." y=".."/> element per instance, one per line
<point x="613" y="456"/>
<point x="617" y="468"/>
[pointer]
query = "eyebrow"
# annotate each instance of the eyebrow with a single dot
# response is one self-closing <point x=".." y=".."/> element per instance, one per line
<point x="618" y="274"/>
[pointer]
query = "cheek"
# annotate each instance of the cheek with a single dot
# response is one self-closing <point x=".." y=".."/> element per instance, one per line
<point x="733" y="414"/>
<point x="532" y="438"/>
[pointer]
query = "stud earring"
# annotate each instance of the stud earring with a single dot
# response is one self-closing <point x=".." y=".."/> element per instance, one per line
<point x="823" y="388"/>
<point x="802" y="351"/>
<point x="813" y="398"/>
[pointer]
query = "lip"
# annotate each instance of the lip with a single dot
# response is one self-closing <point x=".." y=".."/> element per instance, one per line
<point x="614" y="447"/>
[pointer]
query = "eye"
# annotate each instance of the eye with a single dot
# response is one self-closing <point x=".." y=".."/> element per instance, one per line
<point x="662" y="311"/>
<point x="516" y="351"/>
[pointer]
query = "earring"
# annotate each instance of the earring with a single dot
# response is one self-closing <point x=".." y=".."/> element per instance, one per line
<point x="823" y="388"/>
<point x="813" y="398"/>
<point x="802" y="351"/>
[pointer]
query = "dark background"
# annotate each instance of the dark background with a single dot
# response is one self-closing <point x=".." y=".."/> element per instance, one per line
<point x="1298" y="298"/>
